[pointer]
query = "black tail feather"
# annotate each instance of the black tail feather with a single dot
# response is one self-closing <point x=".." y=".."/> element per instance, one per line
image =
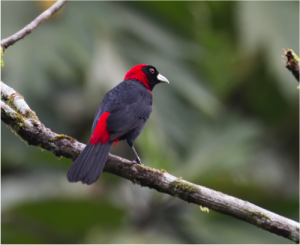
<point x="89" y="165"/>
<point x="98" y="165"/>
<point x="76" y="170"/>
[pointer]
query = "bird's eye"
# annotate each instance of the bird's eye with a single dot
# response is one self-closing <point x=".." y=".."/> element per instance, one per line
<point x="151" y="70"/>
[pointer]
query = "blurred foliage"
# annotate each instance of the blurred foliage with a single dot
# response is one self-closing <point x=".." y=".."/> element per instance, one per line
<point x="228" y="119"/>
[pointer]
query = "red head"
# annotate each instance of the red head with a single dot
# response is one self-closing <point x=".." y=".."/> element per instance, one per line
<point x="146" y="74"/>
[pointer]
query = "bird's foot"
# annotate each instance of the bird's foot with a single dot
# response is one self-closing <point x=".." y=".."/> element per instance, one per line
<point x="136" y="161"/>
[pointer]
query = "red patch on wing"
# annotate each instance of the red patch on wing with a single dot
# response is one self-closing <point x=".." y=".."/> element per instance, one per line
<point x="101" y="134"/>
<point x="116" y="142"/>
<point x="137" y="73"/>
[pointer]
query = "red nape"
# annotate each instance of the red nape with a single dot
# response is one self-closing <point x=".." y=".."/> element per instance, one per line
<point x="137" y="73"/>
<point x="101" y="133"/>
<point x="116" y="142"/>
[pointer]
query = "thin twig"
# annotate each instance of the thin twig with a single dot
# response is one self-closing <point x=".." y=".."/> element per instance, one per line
<point x="26" y="125"/>
<point x="292" y="63"/>
<point x="5" y="43"/>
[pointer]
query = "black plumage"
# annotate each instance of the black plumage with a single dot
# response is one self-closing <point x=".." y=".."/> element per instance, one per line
<point x="122" y="115"/>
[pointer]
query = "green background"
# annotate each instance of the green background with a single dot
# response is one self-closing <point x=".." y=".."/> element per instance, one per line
<point x="228" y="120"/>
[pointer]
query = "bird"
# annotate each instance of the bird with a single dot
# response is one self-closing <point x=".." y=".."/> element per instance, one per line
<point x="122" y="115"/>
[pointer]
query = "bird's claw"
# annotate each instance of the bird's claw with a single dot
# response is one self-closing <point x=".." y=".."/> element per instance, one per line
<point x="136" y="161"/>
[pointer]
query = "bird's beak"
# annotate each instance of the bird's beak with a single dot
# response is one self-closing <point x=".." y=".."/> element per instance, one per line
<point x="162" y="79"/>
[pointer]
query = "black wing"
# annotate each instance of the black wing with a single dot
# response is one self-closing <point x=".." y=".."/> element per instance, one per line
<point x="129" y="105"/>
<point x="125" y="117"/>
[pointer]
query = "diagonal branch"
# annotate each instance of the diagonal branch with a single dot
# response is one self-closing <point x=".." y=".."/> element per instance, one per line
<point x="21" y="119"/>
<point x="5" y="43"/>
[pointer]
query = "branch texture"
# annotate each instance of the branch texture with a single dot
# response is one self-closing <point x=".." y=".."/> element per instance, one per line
<point x="22" y="120"/>
<point x="292" y="63"/>
<point x="5" y="43"/>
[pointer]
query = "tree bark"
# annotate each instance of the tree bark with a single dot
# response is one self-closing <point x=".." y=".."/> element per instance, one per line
<point x="292" y="63"/>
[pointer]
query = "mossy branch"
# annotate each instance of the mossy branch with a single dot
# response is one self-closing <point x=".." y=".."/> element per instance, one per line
<point x="5" y="43"/>
<point x="16" y="114"/>
<point x="292" y="63"/>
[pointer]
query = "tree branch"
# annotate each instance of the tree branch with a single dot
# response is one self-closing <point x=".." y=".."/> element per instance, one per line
<point x="292" y="63"/>
<point x="5" y="43"/>
<point x="22" y="120"/>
